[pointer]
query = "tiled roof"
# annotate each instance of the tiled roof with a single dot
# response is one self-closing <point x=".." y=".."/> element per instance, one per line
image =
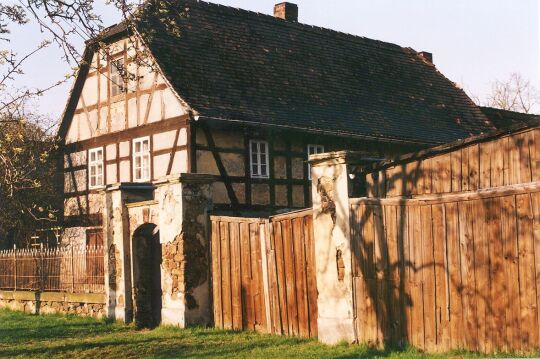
<point x="503" y="118"/>
<point x="233" y="64"/>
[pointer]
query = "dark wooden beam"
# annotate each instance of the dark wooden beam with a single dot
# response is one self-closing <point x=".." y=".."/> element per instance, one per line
<point x="219" y="163"/>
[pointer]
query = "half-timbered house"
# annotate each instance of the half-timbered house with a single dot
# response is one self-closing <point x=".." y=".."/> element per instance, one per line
<point x="192" y="106"/>
<point x="244" y="97"/>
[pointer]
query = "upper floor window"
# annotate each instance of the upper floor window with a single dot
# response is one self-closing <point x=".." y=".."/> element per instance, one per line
<point x="95" y="167"/>
<point x="141" y="159"/>
<point x="258" y="151"/>
<point x="313" y="150"/>
<point x="118" y="82"/>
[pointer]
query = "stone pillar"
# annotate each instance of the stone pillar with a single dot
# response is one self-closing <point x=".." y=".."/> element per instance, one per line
<point x="117" y="251"/>
<point x="331" y="225"/>
<point x="184" y="201"/>
<point x="117" y="241"/>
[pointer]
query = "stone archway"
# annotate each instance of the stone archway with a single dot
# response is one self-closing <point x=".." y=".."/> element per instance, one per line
<point x="146" y="252"/>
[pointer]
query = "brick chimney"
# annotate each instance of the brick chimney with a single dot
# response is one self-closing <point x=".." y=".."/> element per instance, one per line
<point x="427" y="56"/>
<point x="286" y="11"/>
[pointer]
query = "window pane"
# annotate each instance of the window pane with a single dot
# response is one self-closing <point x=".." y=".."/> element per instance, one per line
<point x="100" y="155"/>
<point x="254" y="170"/>
<point x="137" y="147"/>
<point x="254" y="148"/>
<point x="263" y="147"/>
<point x="264" y="171"/>
<point x="145" y="145"/>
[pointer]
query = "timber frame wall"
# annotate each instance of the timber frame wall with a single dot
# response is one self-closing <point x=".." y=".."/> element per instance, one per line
<point x="222" y="149"/>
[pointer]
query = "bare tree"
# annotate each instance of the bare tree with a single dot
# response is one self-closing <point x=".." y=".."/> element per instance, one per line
<point x="515" y="94"/>
<point x="63" y="23"/>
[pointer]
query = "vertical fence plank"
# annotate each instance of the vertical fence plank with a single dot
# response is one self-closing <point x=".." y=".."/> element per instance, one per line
<point x="509" y="236"/>
<point x="216" y="276"/>
<point x="282" y="280"/>
<point x="468" y="279"/>
<point x="226" y="275"/>
<point x="481" y="271"/>
<point x="498" y="297"/>
<point x="441" y="304"/>
<point x="527" y="275"/>
<point x="248" y="305"/>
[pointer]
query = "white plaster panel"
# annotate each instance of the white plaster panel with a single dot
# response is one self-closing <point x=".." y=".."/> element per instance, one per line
<point x="155" y="108"/>
<point x="111" y="174"/>
<point x="124" y="149"/>
<point x="103" y="86"/>
<point x="117" y="116"/>
<point x="90" y="91"/>
<point x="143" y="102"/>
<point x="110" y="151"/>
<point x="164" y="140"/>
<point x="125" y="169"/>
<point x="93" y="115"/>
<point x="84" y="126"/>
<point x="103" y="124"/>
<point x="132" y="113"/>
<point x="182" y="139"/>
<point x="180" y="164"/>
<point x="173" y="107"/>
<point x="161" y="163"/>
<point x="72" y="134"/>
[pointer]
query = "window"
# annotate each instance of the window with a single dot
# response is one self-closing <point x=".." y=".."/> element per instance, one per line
<point x="95" y="167"/>
<point x="118" y="83"/>
<point x="141" y="159"/>
<point x="313" y="150"/>
<point x="258" y="151"/>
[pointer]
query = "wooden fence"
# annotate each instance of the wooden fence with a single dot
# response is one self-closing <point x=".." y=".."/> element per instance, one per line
<point x="263" y="274"/>
<point x="507" y="160"/>
<point x="76" y="270"/>
<point x="458" y="271"/>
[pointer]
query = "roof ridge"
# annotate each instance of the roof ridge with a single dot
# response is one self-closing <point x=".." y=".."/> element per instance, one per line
<point x="307" y="27"/>
<point x="509" y="111"/>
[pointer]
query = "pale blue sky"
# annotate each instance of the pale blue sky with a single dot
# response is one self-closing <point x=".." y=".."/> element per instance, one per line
<point x="474" y="42"/>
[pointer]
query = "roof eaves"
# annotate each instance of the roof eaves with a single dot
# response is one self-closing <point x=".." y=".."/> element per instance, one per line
<point x="452" y="146"/>
<point x="324" y="132"/>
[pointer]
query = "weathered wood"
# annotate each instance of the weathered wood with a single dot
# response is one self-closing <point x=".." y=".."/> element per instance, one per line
<point x="226" y="275"/>
<point x="236" y="284"/>
<point x="527" y="272"/>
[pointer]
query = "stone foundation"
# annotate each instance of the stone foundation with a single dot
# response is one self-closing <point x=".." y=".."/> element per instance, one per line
<point x="88" y="305"/>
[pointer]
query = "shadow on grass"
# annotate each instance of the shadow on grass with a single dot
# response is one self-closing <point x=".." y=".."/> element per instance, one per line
<point x="24" y="335"/>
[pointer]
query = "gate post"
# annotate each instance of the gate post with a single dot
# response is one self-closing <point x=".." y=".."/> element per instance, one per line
<point x="333" y="251"/>
<point x="184" y="201"/>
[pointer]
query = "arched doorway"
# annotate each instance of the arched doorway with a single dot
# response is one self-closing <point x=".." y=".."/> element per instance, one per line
<point x="146" y="276"/>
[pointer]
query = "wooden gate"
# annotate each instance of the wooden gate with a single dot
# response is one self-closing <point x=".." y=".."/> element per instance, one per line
<point x="263" y="274"/>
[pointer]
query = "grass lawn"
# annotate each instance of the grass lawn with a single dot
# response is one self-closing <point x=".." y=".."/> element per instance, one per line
<point x="23" y="335"/>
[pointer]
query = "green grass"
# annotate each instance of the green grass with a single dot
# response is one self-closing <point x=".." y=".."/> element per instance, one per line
<point x="23" y="335"/>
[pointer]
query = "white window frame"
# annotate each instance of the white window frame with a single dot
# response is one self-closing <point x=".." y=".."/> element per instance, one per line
<point x="313" y="149"/>
<point x="118" y="83"/>
<point x="96" y="180"/>
<point x="259" y="164"/>
<point x="142" y="154"/>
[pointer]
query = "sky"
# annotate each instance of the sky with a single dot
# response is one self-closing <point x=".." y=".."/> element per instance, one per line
<point x="474" y="42"/>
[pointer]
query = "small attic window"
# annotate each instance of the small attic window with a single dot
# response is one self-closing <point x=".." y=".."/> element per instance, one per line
<point x="117" y="78"/>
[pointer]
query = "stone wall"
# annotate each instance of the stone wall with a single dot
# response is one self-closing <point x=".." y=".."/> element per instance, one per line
<point x="84" y="304"/>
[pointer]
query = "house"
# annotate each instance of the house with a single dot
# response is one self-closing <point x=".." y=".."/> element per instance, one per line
<point x="194" y="88"/>
<point x="503" y="118"/>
